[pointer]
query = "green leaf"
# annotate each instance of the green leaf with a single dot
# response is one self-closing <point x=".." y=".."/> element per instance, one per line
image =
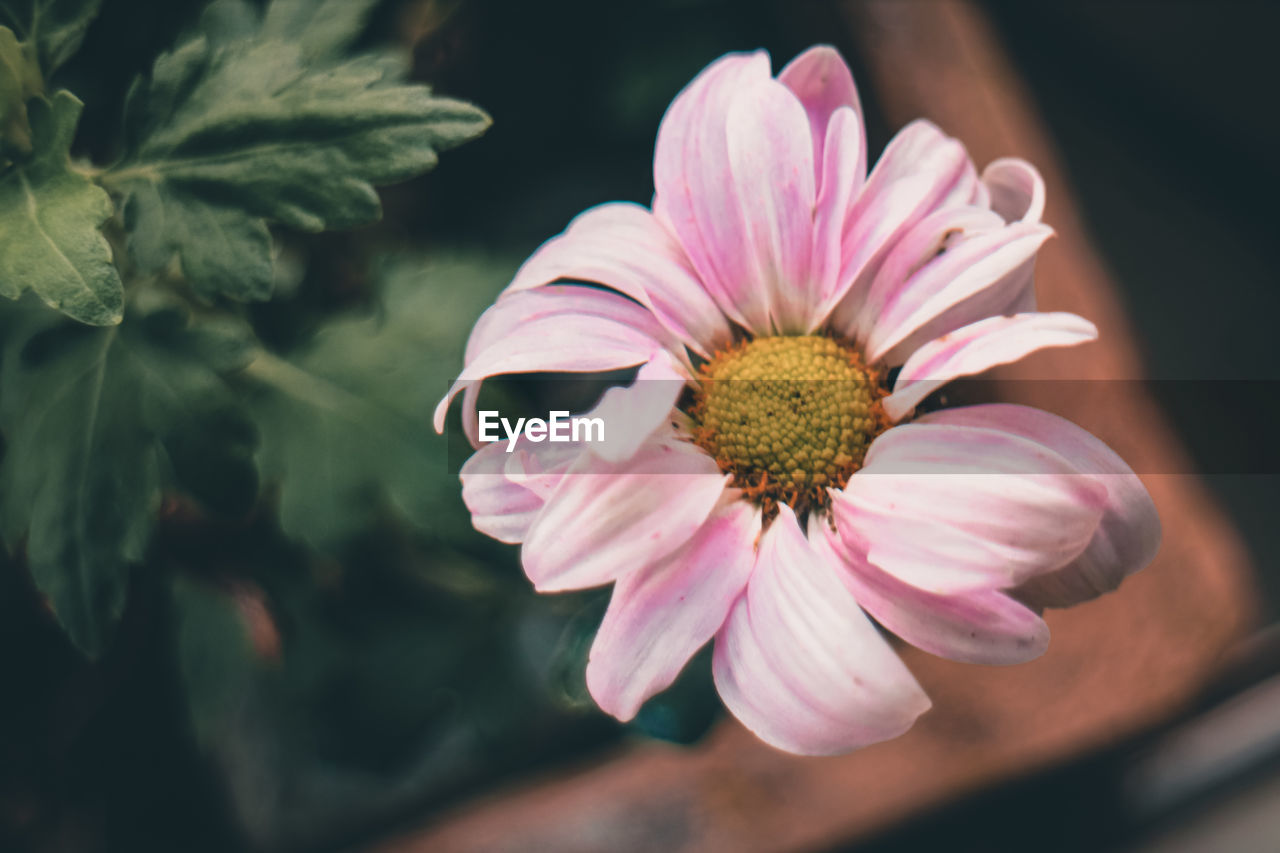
<point x="322" y="28"/>
<point x="88" y="417"/>
<point x="223" y="251"/>
<point x="253" y="122"/>
<point x="19" y="80"/>
<point x="55" y="27"/>
<point x="49" y="220"/>
<point x="346" y="419"/>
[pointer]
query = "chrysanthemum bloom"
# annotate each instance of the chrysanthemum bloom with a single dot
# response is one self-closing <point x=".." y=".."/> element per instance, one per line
<point x="772" y="492"/>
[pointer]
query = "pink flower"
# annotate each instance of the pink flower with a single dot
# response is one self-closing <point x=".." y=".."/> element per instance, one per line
<point x="773" y="515"/>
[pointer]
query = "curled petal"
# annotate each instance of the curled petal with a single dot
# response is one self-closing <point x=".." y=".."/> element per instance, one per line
<point x="1128" y="535"/>
<point x="560" y="328"/>
<point x="1015" y="188"/>
<point x="800" y="664"/>
<point x="967" y="276"/>
<point x="922" y="243"/>
<point x="948" y="508"/>
<point x="661" y="614"/>
<point x="513" y="310"/>
<point x="606" y="519"/>
<point x="499" y="507"/>
<point x="505" y="491"/>
<point x="978" y="347"/>
<point x="624" y="247"/>
<point x="1014" y="192"/>
<point x="983" y="626"/>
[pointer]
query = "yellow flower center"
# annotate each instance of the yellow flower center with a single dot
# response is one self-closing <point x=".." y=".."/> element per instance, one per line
<point x="788" y="416"/>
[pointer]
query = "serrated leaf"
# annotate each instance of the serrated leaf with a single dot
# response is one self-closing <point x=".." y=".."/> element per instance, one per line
<point x="223" y="251"/>
<point x="322" y="28"/>
<point x="346" y="420"/>
<point x="248" y="123"/>
<point x="88" y="417"/>
<point x="55" y="27"/>
<point x="49" y="220"/>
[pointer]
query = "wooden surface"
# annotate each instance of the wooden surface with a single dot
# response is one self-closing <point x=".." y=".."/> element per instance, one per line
<point x="1115" y="665"/>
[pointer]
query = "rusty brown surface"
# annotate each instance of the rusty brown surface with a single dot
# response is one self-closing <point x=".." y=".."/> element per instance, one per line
<point x="1115" y="666"/>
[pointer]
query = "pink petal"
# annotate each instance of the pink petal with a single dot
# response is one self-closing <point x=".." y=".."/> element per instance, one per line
<point x="922" y="243"/>
<point x="921" y="148"/>
<point x="842" y="168"/>
<point x="505" y="490"/>
<point x="1016" y="189"/>
<point x="967" y="278"/>
<point x="514" y="310"/>
<point x="1020" y="284"/>
<point x="799" y="663"/>
<point x="624" y="247"/>
<point x="824" y="84"/>
<point x="559" y="328"/>
<point x="981" y="196"/>
<point x="949" y="509"/>
<point x="606" y="519"/>
<point x="536" y="331"/>
<point x="770" y="155"/>
<point x="540" y="467"/>
<point x="499" y="507"/>
<point x="693" y="180"/>
<point x="978" y="347"/>
<point x="1012" y="293"/>
<point x="1128" y="535"/>
<point x="633" y="413"/>
<point x="921" y="171"/>
<point x="660" y="615"/>
<point x="570" y="343"/>
<point x="470" y="415"/>
<point x="980" y="626"/>
<point x="1018" y="192"/>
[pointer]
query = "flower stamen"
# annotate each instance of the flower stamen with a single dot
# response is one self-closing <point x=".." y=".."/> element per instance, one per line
<point x="788" y="417"/>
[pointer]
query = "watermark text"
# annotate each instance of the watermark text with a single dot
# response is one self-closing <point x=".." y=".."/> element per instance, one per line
<point x="559" y="426"/>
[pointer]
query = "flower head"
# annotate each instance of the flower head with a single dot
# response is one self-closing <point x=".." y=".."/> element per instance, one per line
<point x="769" y="490"/>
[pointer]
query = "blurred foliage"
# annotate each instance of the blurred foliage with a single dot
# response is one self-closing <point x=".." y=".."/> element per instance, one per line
<point x="241" y="600"/>
<point x="89" y="415"/>
<point x="169" y="454"/>
<point x="252" y="116"/>
<point x="51" y="30"/>
<point x="250" y="121"/>
<point x="343" y="416"/>
<point x="19" y="80"/>
<point x="330" y="699"/>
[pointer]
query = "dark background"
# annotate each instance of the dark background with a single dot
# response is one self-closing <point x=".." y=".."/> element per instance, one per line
<point x="1164" y="113"/>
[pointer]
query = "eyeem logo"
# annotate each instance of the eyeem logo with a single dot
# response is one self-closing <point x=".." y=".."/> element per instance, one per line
<point x="559" y="426"/>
